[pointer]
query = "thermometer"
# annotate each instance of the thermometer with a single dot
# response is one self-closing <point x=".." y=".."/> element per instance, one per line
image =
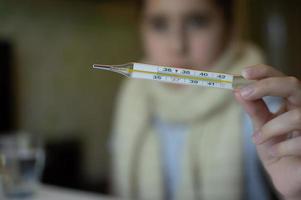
<point x="177" y="75"/>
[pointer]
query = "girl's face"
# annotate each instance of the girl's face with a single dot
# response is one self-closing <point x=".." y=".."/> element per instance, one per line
<point x="183" y="33"/>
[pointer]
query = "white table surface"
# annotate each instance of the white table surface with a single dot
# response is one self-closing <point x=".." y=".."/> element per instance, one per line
<point x="47" y="192"/>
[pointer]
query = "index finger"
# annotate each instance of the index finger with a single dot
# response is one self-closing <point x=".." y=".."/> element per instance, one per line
<point x="260" y="71"/>
<point x="287" y="87"/>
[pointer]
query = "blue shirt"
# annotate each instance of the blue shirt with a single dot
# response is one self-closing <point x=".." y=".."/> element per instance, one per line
<point x="172" y="138"/>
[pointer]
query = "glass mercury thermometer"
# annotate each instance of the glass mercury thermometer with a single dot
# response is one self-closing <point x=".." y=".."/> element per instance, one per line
<point x="177" y="75"/>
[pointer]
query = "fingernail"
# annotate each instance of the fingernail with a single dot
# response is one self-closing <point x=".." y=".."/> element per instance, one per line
<point x="247" y="91"/>
<point x="246" y="72"/>
<point x="256" y="138"/>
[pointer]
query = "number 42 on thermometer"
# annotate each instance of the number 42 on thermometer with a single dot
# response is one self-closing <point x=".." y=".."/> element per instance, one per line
<point x="177" y="75"/>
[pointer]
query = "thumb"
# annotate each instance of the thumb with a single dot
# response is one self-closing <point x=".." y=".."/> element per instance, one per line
<point x="257" y="110"/>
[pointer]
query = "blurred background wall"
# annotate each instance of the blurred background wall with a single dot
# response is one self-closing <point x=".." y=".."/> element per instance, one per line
<point x="55" y="93"/>
<point x="275" y="26"/>
<point x="54" y="44"/>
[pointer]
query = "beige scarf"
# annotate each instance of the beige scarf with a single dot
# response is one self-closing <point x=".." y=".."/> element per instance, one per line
<point x="211" y="162"/>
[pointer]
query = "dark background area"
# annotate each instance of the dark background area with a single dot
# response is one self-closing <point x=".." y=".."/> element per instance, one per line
<point x="8" y="104"/>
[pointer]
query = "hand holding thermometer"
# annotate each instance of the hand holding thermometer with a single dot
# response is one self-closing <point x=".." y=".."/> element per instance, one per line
<point x="177" y="75"/>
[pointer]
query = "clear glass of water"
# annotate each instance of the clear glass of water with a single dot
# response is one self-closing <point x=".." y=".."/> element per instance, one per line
<point x="21" y="164"/>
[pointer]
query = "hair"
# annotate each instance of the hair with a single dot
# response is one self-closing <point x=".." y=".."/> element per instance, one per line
<point x="227" y="7"/>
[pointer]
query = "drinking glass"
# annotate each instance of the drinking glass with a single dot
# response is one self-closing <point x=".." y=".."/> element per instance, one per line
<point x="21" y="164"/>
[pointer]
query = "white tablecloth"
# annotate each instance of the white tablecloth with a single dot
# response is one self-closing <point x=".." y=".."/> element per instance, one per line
<point x="47" y="192"/>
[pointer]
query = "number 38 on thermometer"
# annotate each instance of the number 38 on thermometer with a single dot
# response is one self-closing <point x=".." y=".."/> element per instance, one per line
<point x="176" y="75"/>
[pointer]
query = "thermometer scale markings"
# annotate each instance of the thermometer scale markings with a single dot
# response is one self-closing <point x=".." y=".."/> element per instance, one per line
<point x="177" y="75"/>
<point x="182" y="76"/>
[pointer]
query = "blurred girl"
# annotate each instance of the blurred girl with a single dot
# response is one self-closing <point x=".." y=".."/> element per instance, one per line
<point x="179" y="142"/>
